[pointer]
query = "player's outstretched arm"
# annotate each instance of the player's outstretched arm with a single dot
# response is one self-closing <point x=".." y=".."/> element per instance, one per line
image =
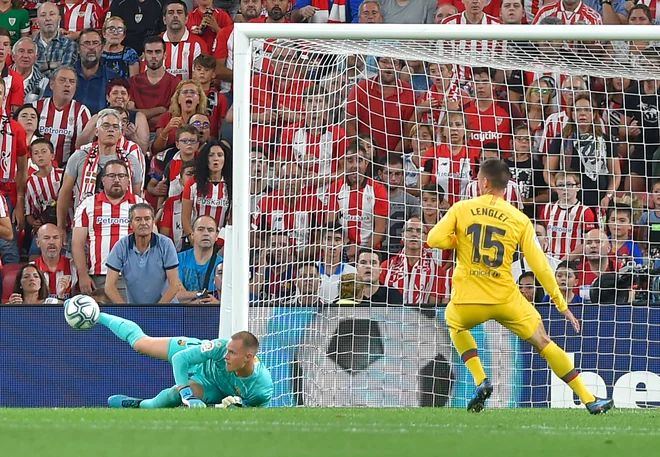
<point x="443" y="235"/>
<point x="181" y="363"/>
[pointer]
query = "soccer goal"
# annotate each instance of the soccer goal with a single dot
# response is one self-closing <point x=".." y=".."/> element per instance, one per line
<point x="350" y="143"/>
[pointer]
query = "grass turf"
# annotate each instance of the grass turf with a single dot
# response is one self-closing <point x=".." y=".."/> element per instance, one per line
<point x="327" y="432"/>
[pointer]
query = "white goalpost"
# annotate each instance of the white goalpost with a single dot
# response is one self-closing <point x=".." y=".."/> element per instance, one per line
<point x="399" y="354"/>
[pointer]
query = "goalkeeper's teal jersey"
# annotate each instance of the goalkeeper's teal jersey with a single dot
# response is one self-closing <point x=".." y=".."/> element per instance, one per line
<point x="206" y="361"/>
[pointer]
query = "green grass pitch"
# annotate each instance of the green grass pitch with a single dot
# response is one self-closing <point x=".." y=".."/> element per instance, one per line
<point x="327" y="432"/>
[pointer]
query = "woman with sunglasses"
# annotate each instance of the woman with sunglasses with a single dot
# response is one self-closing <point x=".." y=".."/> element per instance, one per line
<point x="122" y="60"/>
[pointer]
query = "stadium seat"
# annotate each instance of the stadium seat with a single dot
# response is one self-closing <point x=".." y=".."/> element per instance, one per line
<point x="9" y="273"/>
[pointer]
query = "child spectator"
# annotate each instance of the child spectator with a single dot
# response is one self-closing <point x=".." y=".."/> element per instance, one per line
<point x="619" y="226"/>
<point x="204" y="74"/>
<point x="529" y="287"/>
<point x="567" y="219"/>
<point x="567" y="279"/>
<point x="649" y="224"/>
<point x="170" y="224"/>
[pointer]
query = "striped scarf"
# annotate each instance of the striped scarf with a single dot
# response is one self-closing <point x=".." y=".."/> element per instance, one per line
<point x="90" y="170"/>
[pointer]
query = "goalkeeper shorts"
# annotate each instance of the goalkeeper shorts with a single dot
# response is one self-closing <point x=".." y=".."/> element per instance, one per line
<point x="520" y="316"/>
<point x="211" y="393"/>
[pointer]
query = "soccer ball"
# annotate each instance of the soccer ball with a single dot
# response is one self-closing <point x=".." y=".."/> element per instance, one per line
<point x="81" y="312"/>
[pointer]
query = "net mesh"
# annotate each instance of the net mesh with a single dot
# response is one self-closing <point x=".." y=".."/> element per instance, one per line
<point x="358" y="148"/>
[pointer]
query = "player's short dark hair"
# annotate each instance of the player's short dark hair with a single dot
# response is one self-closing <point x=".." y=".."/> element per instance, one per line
<point x="394" y="158"/>
<point x="315" y="90"/>
<point x="436" y="189"/>
<point x="621" y="208"/>
<point x="484" y="70"/>
<point x="205" y="61"/>
<point x="355" y="147"/>
<point x="491" y="147"/>
<point x="250" y="342"/>
<point x="567" y="264"/>
<point x="526" y="274"/>
<point x="370" y="251"/>
<point x="175" y="2"/>
<point x="185" y="165"/>
<point x="43" y="140"/>
<point x="87" y="31"/>
<point x="4" y="31"/>
<point x="22" y="108"/>
<point x="497" y="172"/>
<point x="44" y="291"/>
<point x="155" y="39"/>
<point x="114" y="162"/>
<point x="541" y="223"/>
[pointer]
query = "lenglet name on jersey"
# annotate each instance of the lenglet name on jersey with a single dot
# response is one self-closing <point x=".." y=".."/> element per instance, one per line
<point x="490" y="212"/>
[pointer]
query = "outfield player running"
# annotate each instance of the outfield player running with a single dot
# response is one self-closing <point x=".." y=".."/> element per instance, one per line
<point x="222" y="372"/>
<point x="485" y="232"/>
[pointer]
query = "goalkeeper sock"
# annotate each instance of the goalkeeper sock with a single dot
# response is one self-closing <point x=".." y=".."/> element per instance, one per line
<point x="126" y="330"/>
<point x="561" y="364"/>
<point x="167" y="398"/>
<point x="467" y="348"/>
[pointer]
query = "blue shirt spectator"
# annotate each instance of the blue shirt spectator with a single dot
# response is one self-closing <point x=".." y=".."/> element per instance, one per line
<point x="145" y="273"/>
<point x="53" y="49"/>
<point x="91" y="92"/>
<point x="619" y="6"/>
<point x="192" y="274"/>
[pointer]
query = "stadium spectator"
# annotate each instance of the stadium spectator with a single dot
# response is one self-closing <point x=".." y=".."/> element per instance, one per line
<point x="492" y="8"/>
<point x="630" y="53"/>
<point x="258" y="178"/>
<point x="314" y="12"/>
<point x="369" y="273"/>
<point x="276" y="11"/>
<point x="566" y="277"/>
<point x="216" y="103"/>
<point x="42" y="186"/>
<point x="273" y="279"/>
<point x="512" y="12"/>
<point x="530" y="288"/>
<point x="170" y="224"/>
<point x="595" y="262"/>
<point x="351" y="291"/>
<point x="93" y="76"/>
<point x="315" y="144"/>
<point x="186" y="149"/>
<point x="53" y="48"/>
<point x="147" y="262"/>
<point x="527" y="172"/>
<point x="487" y="120"/>
<point x="408" y="11"/>
<point x="15" y="19"/>
<point x="433" y="205"/>
<point x="143" y="18"/>
<point x="452" y="164"/>
<point x="81" y="176"/>
<point x="13" y="173"/>
<point x="536" y="107"/>
<point x="151" y="91"/>
<point x="421" y="140"/>
<point x="511" y="194"/>
<point x="61" y="118"/>
<point x="101" y="220"/>
<point x="30" y="287"/>
<point x="613" y="113"/>
<point x="521" y="265"/>
<point x="188" y="99"/>
<point x="14" y="91"/>
<point x="307" y="285"/>
<point x="28" y="117"/>
<point x="567" y="219"/>
<point x="57" y="268"/>
<point x="414" y="73"/>
<point x="206" y="21"/>
<point x="203" y="125"/>
<point x="24" y="56"/>
<point x="620" y="228"/>
<point x="570" y="12"/>
<point x="332" y="265"/>
<point x="403" y="205"/>
<point x="197" y="265"/>
<point x="649" y="224"/>
<point x="586" y="148"/>
<point x="80" y="15"/>
<point x="359" y="203"/>
<point x="613" y="12"/>
<point x="442" y="96"/>
<point x="182" y="47"/>
<point x="291" y="209"/>
<point x="120" y="59"/>
<point x="641" y="105"/>
<point x="443" y="11"/>
<point x="382" y="107"/>
<point x="413" y="271"/>
<point x="209" y="192"/>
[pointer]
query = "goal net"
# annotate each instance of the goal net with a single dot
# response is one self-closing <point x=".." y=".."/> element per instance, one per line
<point x="348" y="151"/>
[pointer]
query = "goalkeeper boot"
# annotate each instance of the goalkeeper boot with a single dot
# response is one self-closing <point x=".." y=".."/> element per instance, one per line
<point x="600" y="406"/>
<point x="481" y="394"/>
<point x="122" y="401"/>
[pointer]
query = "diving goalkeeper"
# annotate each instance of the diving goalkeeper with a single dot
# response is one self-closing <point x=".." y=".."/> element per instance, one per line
<point x="485" y="232"/>
<point x="222" y="372"/>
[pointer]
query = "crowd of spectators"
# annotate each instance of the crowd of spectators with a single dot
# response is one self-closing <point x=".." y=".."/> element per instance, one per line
<point x="116" y="151"/>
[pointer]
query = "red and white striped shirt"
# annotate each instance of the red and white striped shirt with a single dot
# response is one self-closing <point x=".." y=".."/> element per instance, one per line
<point x="215" y="203"/>
<point x="532" y="7"/>
<point x="552" y="130"/>
<point x="323" y="151"/>
<point x="223" y="48"/>
<point x="172" y="220"/>
<point x="82" y="14"/>
<point x="418" y="283"/>
<point x="41" y="192"/>
<point x="14" y="89"/>
<point x="567" y="227"/>
<point x="13" y="144"/>
<point x="106" y="223"/>
<point x="65" y="267"/>
<point x="358" y="208"/>
<point x="134" y="149"/>
<point x="512" y="193"/>
<point x="452" y="172"/>
<point x="481" y="47"/>
<point x="61" y="126"/>
<point x="179" y="56"/>
<point x="583" y="14"/>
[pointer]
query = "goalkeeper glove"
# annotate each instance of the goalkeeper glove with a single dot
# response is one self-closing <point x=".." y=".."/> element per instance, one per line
<point x="189" y="399"/>
<point x="229" y="402"/>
